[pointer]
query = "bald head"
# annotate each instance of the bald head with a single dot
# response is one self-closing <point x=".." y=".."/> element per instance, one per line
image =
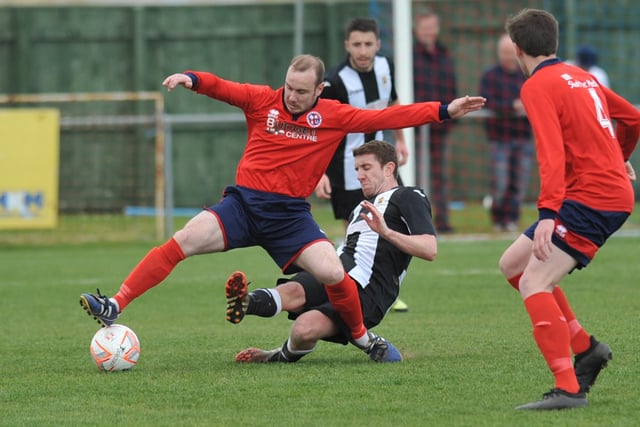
<point x="507" y="54"/>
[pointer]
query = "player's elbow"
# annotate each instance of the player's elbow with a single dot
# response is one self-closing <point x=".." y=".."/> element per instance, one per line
<point x="429" y="248"/>
<point x="430" y="255"/>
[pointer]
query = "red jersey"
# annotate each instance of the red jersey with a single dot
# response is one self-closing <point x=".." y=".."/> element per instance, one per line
<point x="288" y="154"/>
<point x="580" y="153"/>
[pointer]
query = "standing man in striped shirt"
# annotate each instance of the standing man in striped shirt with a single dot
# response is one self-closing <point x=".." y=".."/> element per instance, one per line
<point x="363" y="79"/>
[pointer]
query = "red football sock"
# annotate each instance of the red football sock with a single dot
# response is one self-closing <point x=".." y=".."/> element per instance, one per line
<point x="153" y="269"/>
<point x="515" y="281"/>
<point x="345" y="298"/>
<point x="551" y="333"/>
<point x="580" y="339"/>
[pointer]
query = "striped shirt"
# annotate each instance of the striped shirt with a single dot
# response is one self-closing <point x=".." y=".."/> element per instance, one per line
<point x="374" y="89"/>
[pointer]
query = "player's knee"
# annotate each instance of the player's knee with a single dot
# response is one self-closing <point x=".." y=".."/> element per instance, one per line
<point x="184" y="238"/>
<point x="292" y="295"/>
<point x="507" y="266"/>
<point x="303" y="331"/>
<point x="199" y="236"/>
<point x="336" y="276"/>
<point x="330" y="274"/>
<point x="502" y="266"/>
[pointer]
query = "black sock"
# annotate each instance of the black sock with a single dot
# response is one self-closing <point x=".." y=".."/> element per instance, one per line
<point x="261" y="303"/>
<point x="286" y="356"/>
<point x="280" y="357"/>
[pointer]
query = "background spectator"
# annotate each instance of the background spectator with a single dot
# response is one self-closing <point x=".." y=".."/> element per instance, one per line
<point x="587" y="59"/>
<point x="434" y="80"/>
<point x="509" y="136"/>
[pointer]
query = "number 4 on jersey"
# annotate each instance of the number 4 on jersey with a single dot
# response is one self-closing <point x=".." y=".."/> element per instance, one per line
<point x="604" y="120"/>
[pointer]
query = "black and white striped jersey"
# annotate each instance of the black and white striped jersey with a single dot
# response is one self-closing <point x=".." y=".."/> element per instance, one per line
<point x="374" y="89"/>
<point x="377" y="265"/>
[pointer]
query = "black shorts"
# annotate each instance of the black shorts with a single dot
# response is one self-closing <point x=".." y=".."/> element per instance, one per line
<point x="345" y="201"/>
<point x="317" y="299"/>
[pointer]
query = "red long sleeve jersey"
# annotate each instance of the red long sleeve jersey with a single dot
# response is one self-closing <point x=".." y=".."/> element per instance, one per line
<point x="288" y="154"/>
<point x="580" y="154"/>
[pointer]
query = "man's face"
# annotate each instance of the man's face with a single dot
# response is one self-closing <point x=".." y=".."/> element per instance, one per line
<point x="371" y="174"/>
<point x="427" y="29"/>
<point x="507" y="55"/>
<point x="301" y="90"/>
<point x="362" y="48"/>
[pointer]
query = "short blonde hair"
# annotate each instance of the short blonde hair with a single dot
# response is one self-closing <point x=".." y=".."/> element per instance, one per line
<point x="304" y="62"/>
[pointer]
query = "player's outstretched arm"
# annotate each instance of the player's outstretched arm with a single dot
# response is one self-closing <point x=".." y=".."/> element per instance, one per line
<point x="461" y="106"/>
<point x="177" y="79"/>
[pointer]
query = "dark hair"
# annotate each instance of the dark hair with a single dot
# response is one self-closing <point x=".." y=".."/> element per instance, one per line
<point x="383" y="151"/>
<point x="364" y="25"/>
<point x="304" y="62"/>
<point x="535" y="31"/>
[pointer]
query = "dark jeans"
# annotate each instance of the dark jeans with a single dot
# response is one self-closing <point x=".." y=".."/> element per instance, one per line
<point x="510" y="166"/>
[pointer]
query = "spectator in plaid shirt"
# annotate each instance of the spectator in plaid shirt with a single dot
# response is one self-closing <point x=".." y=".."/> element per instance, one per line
<point x="509" y="134"/>
<point x="434" y="79"/>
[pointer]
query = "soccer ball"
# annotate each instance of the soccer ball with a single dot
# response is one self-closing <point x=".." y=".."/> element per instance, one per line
<point x="115" y="348"/>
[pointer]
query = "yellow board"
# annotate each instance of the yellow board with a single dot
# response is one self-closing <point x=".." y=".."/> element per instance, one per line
<point x="29" y="158"/>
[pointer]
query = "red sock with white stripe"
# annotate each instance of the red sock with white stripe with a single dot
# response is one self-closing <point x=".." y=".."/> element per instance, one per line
<point x="551" y="333"/>
<point x="580" y="339"/>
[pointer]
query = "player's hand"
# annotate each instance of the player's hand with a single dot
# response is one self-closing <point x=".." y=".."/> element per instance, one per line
<point x="630" y="171"/>
<point x="402" y="151"/>
<point x="374" y="218"/>
<point x="323" y="189"/>
<point x="461" y="106"/>
<point x="177" y="79"/>
<point x="542" y="245"/>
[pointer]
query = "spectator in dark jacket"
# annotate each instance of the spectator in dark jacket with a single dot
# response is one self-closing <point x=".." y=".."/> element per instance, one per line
<point x="434" y="79"/>
<point x="509" y="134"/>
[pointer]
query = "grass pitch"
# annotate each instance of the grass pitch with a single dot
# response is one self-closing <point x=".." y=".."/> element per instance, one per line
<point x="469" y="354"/>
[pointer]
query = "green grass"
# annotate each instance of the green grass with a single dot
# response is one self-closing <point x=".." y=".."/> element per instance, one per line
<point x="469" y="354"/>
<point x="471" y="219"/>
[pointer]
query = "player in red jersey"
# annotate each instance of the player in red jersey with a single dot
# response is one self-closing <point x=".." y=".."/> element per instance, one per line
<point x="292" y="135"/>
<point x="585" y="196"/>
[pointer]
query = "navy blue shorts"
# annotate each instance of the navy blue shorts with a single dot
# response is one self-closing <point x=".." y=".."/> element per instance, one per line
<point x="580" y="230"/>
<point x="280" y="224"/>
